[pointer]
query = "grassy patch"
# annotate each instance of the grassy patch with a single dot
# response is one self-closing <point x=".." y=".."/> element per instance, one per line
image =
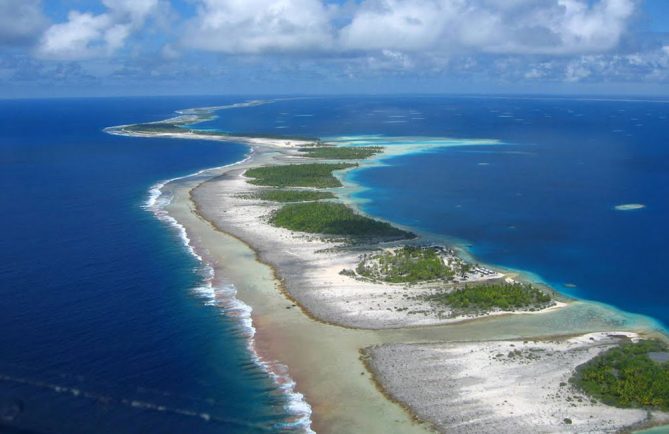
<point x="626" y="376"/>
<point x="342" y="153"/>
<point x="333" y="219"/>
<point x="297" y="175"/>
<point x="405" y="265"/>
<point x="489" y="296"/>
<point x="292" y="195"/>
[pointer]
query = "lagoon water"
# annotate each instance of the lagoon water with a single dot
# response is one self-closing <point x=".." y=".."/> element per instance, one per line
<point x="576" y="193"/>
<point x="103" y="328"/>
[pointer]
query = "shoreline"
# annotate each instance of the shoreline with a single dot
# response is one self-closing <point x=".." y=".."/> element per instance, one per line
<point x="267" y="334"/>
<point x="296" y="406"/>
<point x="314" y="280"/>
<point x="425" y="333"/>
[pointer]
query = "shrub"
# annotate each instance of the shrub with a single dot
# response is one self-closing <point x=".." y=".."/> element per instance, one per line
<point x="342" y="153"/>
<point x="488" y="296"/>
<point x="626" y="376"/>
<point x="332" y="219"/>
<point x="297" y="175"/>
<point x="292" y="195"/>
<point x="405" y="265"/>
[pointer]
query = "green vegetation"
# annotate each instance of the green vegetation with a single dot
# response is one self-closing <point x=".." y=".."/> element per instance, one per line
<point x="292" y="195"/>
<point x="627" y="376"/>
<point x="208" y="132"/>
<point x="159" y="127"/>
<point x="333" y="219"/>
<point x="177" y="126"/>
<point x="488" y="296"/>
<point x="405" y="265"/>
<point x="297" y="175"/>
<point x="169" y="127"/>
<point x="342" y="153"/>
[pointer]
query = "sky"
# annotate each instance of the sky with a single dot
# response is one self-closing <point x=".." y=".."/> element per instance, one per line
<point x="54" y="48"/>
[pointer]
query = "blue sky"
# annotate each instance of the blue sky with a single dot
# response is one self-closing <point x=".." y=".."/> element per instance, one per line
<point x="165" y="47"/>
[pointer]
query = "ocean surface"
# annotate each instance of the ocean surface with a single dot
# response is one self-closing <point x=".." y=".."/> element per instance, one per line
<point x="106" y="320"/>
<point x="576" y="193"/>
<point x="106" y="324"/>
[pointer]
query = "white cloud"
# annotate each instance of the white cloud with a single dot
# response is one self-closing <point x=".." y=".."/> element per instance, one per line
<point x="645" y="66"/>
<point x="21" y="21"/>
<point x="390" y="61"/>
<point x="596" y="28"/>
<point x="489" y="26"/>
<point x="535" y="40"/>
<point x="256" y="26"/>
<point x="577" y="71"/>
<point x="397" y="25"/>
<point x="533" y="73"/>
<point x="86" y="35"/>
<point x="168" y="52"/>
<point x="443" y="26"/>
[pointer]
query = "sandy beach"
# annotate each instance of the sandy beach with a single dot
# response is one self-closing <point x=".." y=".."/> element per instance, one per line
<point x="309" y="266"/>
<point x="323" y="330"/>
<point x="334" y="217"/>
<point x="503" y="386"/>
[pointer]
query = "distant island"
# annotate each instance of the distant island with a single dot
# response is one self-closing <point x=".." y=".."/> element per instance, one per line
<point x="460" y="346"/>
<point x="629" y="207"/>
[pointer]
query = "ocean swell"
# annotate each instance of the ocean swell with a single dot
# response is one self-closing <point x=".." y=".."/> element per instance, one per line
<point x="298" y="410"/>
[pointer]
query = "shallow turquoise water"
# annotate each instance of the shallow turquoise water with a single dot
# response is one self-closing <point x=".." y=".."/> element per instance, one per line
<point x="543" y="200"/>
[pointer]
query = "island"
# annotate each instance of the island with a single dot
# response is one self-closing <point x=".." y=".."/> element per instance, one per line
<point x="373" y="327"/>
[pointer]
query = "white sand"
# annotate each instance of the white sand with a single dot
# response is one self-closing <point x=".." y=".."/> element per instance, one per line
<point x="258" y="141"/>
<point x="502" y="386"/>
<point x="310" y="266"/>
<point x="460" y="387"/>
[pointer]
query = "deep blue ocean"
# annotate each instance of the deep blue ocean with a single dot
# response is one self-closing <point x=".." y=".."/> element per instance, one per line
<point x="99" y="319"/>
<point x="102" y="330"/>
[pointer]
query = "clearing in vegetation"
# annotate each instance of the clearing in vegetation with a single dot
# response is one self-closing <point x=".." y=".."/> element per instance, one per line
<point x="405" y="265"/>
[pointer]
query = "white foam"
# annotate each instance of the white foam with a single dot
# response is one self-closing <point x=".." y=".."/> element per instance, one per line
<point x="296" y="406"/>
<point x="298" y="409"/>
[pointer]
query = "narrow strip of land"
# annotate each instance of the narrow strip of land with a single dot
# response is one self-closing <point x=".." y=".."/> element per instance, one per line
<point x="359" y="308"/>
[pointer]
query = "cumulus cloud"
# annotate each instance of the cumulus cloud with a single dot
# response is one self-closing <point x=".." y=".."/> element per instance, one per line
<point x="507" y="40"/>
<point x="649" y="66"/>
<point x="577" y="71"/>
<point x="489" y="26"/>
<point x="21" y="21"/>
<point x="398" y="25"/>
<point x="85" y="35"/>
<point x="556" y="27"/>
<point x="257" y="26"/>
